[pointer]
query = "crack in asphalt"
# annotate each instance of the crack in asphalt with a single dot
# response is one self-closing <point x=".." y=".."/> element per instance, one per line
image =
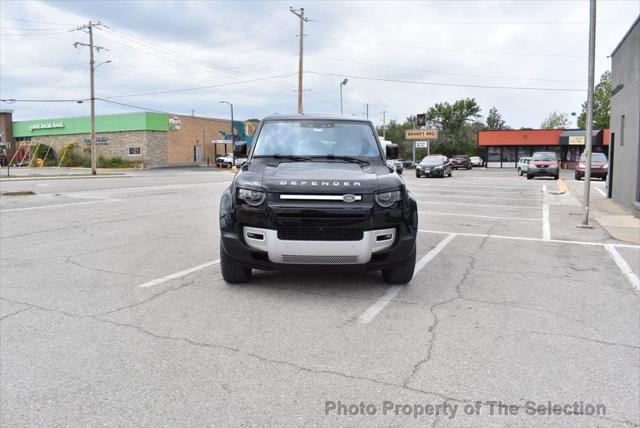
<point x="14" y="313"/>
<point x="436" y="320"/>
<point x="290" y="364"/>
<point x="588" y="339"/>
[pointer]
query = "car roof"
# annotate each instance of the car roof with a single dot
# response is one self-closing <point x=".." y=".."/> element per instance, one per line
<point x="316" y="117"/>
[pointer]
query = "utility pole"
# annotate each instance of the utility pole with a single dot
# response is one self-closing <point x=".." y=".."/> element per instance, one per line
<point x="589" y="136"/>
<point x="92" y="69"/>
<point x="300" y="14"/>
<point x="367" y="110"/>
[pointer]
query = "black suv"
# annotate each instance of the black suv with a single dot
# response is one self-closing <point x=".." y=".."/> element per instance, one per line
<point x="316" y="191"/>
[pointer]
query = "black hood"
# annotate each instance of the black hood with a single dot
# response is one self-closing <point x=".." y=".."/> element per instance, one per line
<point x="318" y="177"/>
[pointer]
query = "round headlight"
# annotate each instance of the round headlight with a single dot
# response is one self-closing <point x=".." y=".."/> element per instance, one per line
<point x="386" y="199"/>
<point x="251" y="197"/>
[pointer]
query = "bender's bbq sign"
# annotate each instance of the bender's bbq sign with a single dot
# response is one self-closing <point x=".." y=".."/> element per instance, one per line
<point x="421" y="134"/>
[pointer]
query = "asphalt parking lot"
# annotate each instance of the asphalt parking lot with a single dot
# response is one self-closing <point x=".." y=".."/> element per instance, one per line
<point x="113" y="312"/>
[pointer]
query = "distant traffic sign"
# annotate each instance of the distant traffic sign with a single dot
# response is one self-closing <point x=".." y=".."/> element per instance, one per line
<point x="420" y="134"/>
<point x="421" y="144"/>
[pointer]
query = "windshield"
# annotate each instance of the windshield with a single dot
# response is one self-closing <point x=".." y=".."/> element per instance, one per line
<point x="595" y="157"/>
<point x="432" y="160"/>
<point x="317" y="138"/>
<point x="544" y="157"/>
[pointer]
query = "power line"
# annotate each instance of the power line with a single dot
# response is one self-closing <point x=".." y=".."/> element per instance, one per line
<point x="36" y="22"/>
<point x="413" y="47"/>
<point x="460" y="85"/>
<point x="442" y="72"/>
<point x="219" y="85"/>
<point x="131" y="105"/>
<point x="450" y="22"/>
<point x="18" y="100"/>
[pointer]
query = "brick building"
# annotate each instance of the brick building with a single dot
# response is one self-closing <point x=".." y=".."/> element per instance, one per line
<point x="152" y="139"/>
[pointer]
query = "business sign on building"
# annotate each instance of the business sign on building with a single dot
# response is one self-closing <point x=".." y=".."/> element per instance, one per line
<point x="45" y="125"/>
<point x="576" y="140"/>
<point x="420" y="134"/>
<point x="103" y="139"/>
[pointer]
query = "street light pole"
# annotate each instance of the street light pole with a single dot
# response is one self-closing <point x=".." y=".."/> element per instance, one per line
<point x="589" y="136"/>
<point x="343" y="83"/>
<point x="233" y="138"/>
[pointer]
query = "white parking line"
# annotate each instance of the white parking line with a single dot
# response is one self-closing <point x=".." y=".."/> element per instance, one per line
<point x="481" y="216"/>
<point x="624" y="267"/>
<point x="546" y="227"/>
<point x="177" y="274"/>
<point x="392" y="292"/>
<point x="463" y="204"/>
<point x="44" y="207"/>
<point x="447" y="186"/>
<point x="601" y="191"/>
<point x="526" y="238"/>
<point x="449" y="196"/>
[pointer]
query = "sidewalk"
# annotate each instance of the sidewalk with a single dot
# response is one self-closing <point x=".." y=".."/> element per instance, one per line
<point x="53" y="172"/>
<point x="616" y="220"/>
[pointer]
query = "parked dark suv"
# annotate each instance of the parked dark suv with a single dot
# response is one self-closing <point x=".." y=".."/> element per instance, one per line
<point x="316" y="192"/>
<point x="461" y="161"/>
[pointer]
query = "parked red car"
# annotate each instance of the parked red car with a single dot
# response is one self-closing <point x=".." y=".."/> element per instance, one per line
<point x="461" y="161"/>
<point x="599" y="166"/>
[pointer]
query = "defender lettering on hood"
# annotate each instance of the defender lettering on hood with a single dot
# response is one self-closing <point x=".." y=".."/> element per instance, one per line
<point x="320" y="183"/>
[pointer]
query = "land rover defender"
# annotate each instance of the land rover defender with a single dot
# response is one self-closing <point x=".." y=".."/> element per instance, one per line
<point x="316" y="192"/>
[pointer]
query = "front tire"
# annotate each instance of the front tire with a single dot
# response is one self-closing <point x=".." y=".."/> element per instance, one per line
<point x="578" y="178"/>
<point x="529" y="176"/>
<point x="232" y="271"/>
<point x="402" y="272"/>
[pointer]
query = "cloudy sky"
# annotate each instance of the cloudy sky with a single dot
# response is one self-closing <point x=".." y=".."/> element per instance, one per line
<point x="401" y="57"/>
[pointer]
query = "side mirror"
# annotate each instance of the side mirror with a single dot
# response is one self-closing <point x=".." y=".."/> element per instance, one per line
<point x="240" y="149"/>
<point x="391" y="151"/>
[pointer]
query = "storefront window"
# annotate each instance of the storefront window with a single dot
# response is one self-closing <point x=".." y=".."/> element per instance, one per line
<point x="508" y="154"/>
<point x="493" y="154"/>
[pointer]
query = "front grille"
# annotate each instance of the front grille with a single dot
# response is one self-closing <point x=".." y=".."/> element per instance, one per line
<point x="320" y="234"/>
<point x="319" y="260"/>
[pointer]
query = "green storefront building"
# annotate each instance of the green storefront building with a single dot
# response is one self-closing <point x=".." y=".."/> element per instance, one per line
<point x="148" y="138"/>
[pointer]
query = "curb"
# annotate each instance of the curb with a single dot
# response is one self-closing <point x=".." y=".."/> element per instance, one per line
<point x="62" y="177"/>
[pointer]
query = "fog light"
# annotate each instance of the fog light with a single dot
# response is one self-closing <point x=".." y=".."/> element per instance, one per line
<point x="257" y="236"/>
<point x="384" y="237"/>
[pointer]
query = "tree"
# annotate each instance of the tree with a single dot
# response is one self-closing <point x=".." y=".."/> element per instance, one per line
<point x="494" y="120"/>
<point x="555" y="120"/>
<point x="601" y="104"/>
<point x="458" y="126"/>
<point x="452" y="117"/>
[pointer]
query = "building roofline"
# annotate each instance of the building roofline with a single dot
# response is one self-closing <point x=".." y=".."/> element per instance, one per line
<point x="626" y="35"/>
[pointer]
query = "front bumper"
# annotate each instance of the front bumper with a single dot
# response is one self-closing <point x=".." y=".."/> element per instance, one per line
<point x="431" y="173"/>
<point x="270" y="253"/>
<point x="597" y="173"/>
<point x="537" y="171"/>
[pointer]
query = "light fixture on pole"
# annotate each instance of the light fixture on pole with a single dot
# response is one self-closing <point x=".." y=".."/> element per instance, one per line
<point x="344" y="82"/>
<point x="233" y="138"/>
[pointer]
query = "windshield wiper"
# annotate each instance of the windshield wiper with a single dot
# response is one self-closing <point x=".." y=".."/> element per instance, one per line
<point x="345" y="158"/>
<point x="290" y="157"/>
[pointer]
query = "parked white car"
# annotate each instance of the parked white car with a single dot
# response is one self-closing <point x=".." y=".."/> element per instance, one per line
<point x="476" y="161"/>
<point x="523" y="165"/>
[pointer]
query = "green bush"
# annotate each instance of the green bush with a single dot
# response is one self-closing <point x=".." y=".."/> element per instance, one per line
<point x="72" y="157"/>
<point x="115" y="162"/>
